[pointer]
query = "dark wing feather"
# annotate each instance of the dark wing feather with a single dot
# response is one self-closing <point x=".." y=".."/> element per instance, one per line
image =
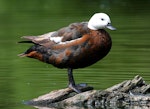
<point x="41" y="39"/>
<point x="73" y="31"/>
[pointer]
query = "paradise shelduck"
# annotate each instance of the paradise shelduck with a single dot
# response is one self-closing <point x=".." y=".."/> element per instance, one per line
<point x="76" y="46"/>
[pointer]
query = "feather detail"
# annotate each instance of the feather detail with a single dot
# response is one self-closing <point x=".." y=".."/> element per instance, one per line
<point x="22" y="55"/>
<point x="25" y="42"/>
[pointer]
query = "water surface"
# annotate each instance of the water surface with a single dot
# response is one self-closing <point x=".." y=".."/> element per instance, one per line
<point x="23" y="78"/>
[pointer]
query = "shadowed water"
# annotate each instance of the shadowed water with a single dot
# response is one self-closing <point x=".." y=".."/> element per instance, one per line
<point x="23" y="78"/>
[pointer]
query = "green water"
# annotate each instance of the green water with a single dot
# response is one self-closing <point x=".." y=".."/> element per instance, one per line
<point x="23" y="78"/>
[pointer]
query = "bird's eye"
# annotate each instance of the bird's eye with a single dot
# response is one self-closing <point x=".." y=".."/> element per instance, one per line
<point x="102" y="19"/>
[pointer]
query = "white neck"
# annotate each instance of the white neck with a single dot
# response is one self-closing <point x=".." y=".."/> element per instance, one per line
<point x="91" y="27"/>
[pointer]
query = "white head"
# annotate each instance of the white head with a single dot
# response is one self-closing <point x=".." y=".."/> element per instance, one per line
<point x="100" y="21"/>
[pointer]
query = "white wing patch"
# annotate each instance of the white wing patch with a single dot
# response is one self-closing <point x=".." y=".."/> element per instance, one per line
<point x="56" y="39"/>
<point x="66" y="42"/>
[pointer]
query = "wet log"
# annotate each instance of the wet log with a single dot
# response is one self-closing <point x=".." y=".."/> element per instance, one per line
<point x="129" y="93"/>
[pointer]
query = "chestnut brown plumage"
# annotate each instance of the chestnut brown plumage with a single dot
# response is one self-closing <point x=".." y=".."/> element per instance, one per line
<point x="77" y="46"/>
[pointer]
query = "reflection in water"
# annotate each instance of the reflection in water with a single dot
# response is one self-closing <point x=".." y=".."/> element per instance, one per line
<point x="24" y="79"/>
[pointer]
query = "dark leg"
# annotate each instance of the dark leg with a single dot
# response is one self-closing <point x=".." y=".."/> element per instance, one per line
<point x="72" y="84"/>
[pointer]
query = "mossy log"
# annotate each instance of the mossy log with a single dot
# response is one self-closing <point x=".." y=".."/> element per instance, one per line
<point x="129" y="93"/>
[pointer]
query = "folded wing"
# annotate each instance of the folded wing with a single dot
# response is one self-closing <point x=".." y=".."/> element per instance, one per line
<point x="72" y="32"/>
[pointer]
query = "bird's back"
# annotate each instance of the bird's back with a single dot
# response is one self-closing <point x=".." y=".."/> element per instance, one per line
<point x="77" y="47"/>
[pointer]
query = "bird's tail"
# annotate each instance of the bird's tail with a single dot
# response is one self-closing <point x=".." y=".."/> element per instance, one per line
<point x="25" y="42"/>
<point x="22" y="55"/>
